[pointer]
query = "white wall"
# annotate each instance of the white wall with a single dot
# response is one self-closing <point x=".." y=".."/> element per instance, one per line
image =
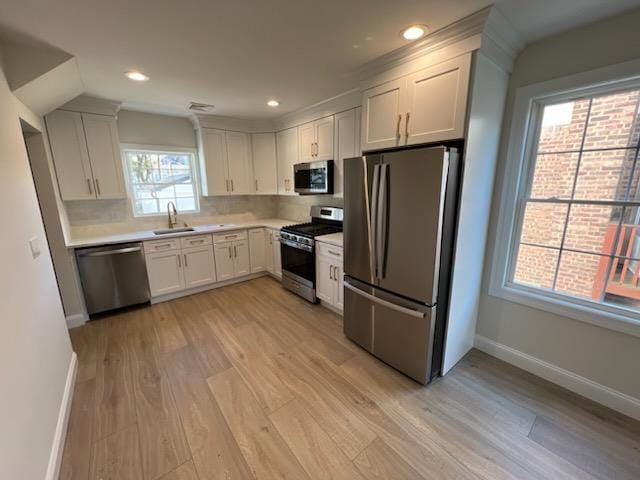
<point x="153" y="129"/>
<point x="602" y="356"/>
<point x="35" y="351"/>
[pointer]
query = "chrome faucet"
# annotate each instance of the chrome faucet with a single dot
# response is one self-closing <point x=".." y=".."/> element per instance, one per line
<point x="172" y="214"/>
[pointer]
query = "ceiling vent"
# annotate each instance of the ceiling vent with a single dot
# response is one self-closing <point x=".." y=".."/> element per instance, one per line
<point x="201" y="107"/>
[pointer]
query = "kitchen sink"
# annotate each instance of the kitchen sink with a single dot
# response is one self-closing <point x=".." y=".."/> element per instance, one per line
<point x="166" y="231"/>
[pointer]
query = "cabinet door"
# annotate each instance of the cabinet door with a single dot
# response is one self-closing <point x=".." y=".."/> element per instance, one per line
<point x="241" y="260"/>
<point x="382" y="115"/>
<point x="306" y="141"/>
<point x="103" y="145"/>
<point x="257" y="250"/>
<point x="223" y="253"/>
<point x="436" y="102"/>
<point x="199" y="266"/>
<point x="277" y="255"/>
<point x="239" y="163"/>
<point x="165" y="272"/>
<point x="213" y="162"/>
<point x="265" y="170"/>
<point x="346" y="144"/>
<point x="325" y="285"/>
<point x="268" y="250"/>
<point x="70" y="155"/>
<point x="324" y="138"/>
<point x="339" y="293"/>
<point x="287" y="151"/>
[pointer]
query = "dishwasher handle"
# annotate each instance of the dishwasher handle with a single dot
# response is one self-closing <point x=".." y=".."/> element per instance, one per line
<point x="109" y="252"/>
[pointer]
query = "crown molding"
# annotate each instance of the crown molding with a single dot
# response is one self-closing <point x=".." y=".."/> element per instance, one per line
<point x="500" y="41"/>
<point x="88" y="104"/>
<point x="234" y="124"/>
<point x="344" y="101"/>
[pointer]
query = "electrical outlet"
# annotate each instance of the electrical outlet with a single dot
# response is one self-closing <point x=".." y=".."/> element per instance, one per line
<point x="34" y="244"/>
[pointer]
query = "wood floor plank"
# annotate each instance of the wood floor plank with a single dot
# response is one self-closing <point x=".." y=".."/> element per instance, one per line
<point x="170" y="336"/>
<point x="163" y="446"/>
<point x="198" y="330"/>
<point x="261" y="444"/>
<point x="346" y="428"/>
<point x="379" y="462"/>
<point x="117" y="457"/>
<point x="585" y="453"/>
<point x="85" y="345"/>
<point x="77" y="448"/>
<point x="115" y="407"/>
<point x="186" y="471"/>
<point x="318" y="454"/>
<point x="215" y="452"/>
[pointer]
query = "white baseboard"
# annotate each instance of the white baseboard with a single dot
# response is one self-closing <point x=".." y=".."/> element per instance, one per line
<point x="77" y="320"/>
<point x="602" y="394"/>
<point x="55" y="458"/>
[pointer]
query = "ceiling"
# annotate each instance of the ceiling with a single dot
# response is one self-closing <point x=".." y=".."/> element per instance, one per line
<point x="239" y="54"/>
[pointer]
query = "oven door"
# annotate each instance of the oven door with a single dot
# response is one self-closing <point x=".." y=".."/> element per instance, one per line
<point x="298" y="262"/>
<point x="313" y="178"/>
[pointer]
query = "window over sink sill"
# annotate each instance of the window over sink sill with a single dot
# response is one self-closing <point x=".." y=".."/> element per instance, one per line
<point x="568" y="239"/>
<point x="159" y="175"/>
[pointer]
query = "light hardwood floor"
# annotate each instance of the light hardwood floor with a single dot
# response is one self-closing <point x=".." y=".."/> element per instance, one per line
<point x="251" y="382"/>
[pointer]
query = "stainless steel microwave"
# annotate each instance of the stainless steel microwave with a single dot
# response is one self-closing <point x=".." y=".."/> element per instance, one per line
<point x="313" y="178"/>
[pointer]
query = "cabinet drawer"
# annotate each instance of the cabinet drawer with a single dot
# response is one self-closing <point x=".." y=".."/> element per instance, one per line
<point x="230" y="236"/>
<point x="195" y="241"/>
<point x="330" y="251"/>
<point x="161" y="245"/>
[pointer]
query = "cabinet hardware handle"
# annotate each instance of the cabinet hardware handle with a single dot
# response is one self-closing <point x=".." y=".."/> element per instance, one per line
<point x="335" y="273"/>
<point x="89" y="185"/>
<point x="230" y="236"/>
<point x="186" y="264"/>
<point x="333" y="253"/>
<point x="196" y="241"/>
<point x="98" y="186"/>
<point x="330" y="270"/>
<point x="230" y="256"/>
<point x="232" y="185"/>
<point x="406" y="126"/>
<point x="164" y="245"/>
<point x="398" y="127"/>
<point x="179" y="262"/>
<point x="256" y="185"/>
<point x="235" y="251"/>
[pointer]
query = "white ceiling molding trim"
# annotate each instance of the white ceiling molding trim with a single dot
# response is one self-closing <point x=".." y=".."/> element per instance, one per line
<point x="500" y="41"/>
<point x="233" y="124"/>
<point x="88" y="104"/>
<point x="331" y="106"/>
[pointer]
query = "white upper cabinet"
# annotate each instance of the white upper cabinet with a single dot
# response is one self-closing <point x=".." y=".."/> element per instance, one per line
<point x="104" y="153"/>
<point x="225" y="162"/>
<point x="346" y="143"/>
<point x="426" y="106"/>
<point x="213" y="162"/>
<point x="86" y="155"/>
<point x="287" y="150"/>
<point x="316" y="140"/>
<point x="381" y="115"/>
<point x="265" y="171"/>
<point x="239" y="163"/>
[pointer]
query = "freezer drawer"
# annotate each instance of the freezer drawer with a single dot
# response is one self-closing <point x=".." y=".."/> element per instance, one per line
<point x="397" y="331"/>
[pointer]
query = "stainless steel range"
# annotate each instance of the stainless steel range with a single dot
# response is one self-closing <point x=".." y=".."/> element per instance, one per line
<point x="297" y="245"/>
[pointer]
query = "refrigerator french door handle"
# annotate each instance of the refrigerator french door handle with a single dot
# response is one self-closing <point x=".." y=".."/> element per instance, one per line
<point x="384" y="303"/>
<point x="373" y="217"/>
<point x="381" y="228"/>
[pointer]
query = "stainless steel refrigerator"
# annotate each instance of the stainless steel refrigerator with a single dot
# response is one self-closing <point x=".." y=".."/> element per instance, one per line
<point x="399" y="231"/>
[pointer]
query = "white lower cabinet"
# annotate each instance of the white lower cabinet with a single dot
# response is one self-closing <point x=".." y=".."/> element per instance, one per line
<point x="231" y="252"/>
<point x="171" y="269"/>
<point x="258" y="249"/>
<point x="329" y="265"/>
<point x="273" y="259"/>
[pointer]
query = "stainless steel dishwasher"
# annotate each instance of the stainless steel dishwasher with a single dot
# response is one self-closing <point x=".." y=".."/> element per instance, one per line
<point x="113" y="276"/>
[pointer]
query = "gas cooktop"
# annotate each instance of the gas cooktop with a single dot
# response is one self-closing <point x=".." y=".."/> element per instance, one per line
<point x="312" y="229"/>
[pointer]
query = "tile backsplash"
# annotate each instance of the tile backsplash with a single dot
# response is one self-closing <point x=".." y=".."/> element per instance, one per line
<point x="93" y="218"/>
<point x="297" y="207"/>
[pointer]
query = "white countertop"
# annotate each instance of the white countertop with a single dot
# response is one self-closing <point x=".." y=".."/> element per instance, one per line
<point x="331" y="239"/>
<point x="273" y="223"/>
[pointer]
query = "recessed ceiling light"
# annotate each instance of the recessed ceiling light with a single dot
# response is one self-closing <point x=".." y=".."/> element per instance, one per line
<point x="414" y="32"/>
<point x="273" y="103"/>
<point x="136" y="76"/>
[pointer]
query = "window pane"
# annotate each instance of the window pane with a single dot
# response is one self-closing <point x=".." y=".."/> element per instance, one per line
<point x="544" y="224"/>
<point x="592" y="228"/>
<point x="146" y="207"/>
<point x="554" y="175"/>
<point x="613" y="121"/>
<point x="185" y="204"/>
<point x="579" y="272"/>
<point x="604" y="175"/>
<point x="536" y="266"/>
<point x="563" y="126"/>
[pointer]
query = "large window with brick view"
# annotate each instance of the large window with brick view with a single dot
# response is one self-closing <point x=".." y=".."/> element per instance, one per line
<point x="577" y="228"/>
